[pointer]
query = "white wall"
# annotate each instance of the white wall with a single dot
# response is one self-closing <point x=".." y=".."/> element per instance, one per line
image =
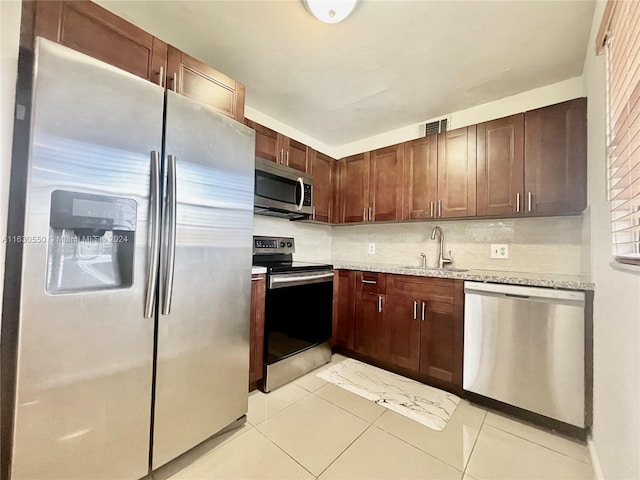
<point x="529" y="100"/>
<point x="540" y="245"/>
<point x="9" y="40"/>
<point x="616" y="424"/>
<point x="313" y="240"/>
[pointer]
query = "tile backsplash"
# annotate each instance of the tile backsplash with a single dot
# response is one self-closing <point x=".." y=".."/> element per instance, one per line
<point x="539" y="245"/>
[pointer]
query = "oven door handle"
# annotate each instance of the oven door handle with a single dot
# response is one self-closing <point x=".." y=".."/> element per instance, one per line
<point x="281" y="281"/>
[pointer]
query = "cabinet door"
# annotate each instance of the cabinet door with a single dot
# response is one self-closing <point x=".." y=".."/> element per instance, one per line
<point x="457" y="173"/>
<point x="421" y="178"/>
<point x="90" y="29"/>
<point x="200" y="82"/>
<point x="501" y="166"/>
<point x="555" y="152"/>
<point x="256" y="328"/>
<point x="321" y="167"/>
<point x="344" y="308"/>
<point x="266" y="141"/>
<point x="441" y="342"/>
<point x="402" y="331"/>
<point x="369" y="324"/>
<point x="354" y="188"/>
<point x="386" y="183"/>
<point x="295" y="154"/>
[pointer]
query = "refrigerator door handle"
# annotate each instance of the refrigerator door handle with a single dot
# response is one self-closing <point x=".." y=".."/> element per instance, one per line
<point x="171" y="234"/>
<point x="154" y="258"/>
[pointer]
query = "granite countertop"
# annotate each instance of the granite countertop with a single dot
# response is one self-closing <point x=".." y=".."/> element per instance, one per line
<point x="572" y="282"/>
<point x="257" y="270"/>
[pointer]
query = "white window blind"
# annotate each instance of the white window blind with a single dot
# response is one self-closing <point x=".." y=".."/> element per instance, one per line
<point x="622" y="46"/>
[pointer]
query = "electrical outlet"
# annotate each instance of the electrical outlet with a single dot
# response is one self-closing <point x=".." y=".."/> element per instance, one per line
<point x="372" y="248"/>
<point x="499" y="250"/>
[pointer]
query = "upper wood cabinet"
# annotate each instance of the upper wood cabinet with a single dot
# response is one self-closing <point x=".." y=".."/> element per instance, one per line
<point x="457" y="173"/>
<point x="501" y="166"/>
<point x="322" y="168"/>
<point x="93" y="30"/>
<point x="354" y="188"/>
<point x="386" y="175"/>
<point x="440" y="175"/>
<point x="279" y="148"/>
<point x="371" y="185"/>
<point x="555" y="152"/>
<point x="421" y="178"/>
<point x="198" y="81"/>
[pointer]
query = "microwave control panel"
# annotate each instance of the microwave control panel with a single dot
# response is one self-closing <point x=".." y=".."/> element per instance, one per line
<point x="307" y="195"/>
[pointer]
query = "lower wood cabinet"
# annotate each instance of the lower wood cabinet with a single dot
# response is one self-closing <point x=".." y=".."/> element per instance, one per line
<point x="256" y="328"/>
<point x="414" y="324"/>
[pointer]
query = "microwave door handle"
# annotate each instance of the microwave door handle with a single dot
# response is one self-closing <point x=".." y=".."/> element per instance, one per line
<point x="301" y="203"/>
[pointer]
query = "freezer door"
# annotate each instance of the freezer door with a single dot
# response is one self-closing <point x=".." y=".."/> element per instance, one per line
<point x="85" y="350"/>
<point x="203" y="329"/>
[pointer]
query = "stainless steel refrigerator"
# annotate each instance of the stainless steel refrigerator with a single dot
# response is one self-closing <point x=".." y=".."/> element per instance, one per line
<point x="134" y="308"/>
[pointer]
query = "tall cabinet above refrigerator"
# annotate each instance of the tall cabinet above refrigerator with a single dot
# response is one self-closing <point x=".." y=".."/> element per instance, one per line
<point x="132" y="325"/>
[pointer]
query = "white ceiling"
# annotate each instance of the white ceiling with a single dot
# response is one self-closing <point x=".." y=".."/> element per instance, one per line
<point x="391" y="64"/>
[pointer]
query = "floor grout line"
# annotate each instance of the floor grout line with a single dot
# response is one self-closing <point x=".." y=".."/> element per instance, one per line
<point x="346" y="448"/>
<point x="475" y="442"/>
<point x="286" y="453"/>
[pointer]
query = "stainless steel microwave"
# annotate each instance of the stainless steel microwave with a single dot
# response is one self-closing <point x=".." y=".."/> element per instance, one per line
<point x="282" y="191"/>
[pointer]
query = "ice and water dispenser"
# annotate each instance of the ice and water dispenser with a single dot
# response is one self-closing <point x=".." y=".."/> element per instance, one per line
<point x="91" y="242"/>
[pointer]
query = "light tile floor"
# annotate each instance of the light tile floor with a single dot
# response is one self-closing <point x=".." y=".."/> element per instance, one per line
<point x="313" y="429"/>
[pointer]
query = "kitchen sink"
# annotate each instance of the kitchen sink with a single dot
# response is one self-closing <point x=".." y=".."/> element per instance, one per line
<point x="448" y="269"/>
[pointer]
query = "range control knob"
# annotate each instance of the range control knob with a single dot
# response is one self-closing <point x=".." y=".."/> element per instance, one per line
<point x="281" y="244"/>
<point x="289" y="244"/>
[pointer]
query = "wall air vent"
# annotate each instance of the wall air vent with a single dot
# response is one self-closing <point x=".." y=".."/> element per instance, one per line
<point x="433" y="128"/>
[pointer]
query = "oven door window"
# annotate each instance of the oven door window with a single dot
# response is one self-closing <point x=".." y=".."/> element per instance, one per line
<point x="278" y="188"/>
<point x="297" y="318"/>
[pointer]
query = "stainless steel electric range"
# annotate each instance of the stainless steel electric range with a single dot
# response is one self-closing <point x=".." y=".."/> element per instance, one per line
<point x="298" y="311"/>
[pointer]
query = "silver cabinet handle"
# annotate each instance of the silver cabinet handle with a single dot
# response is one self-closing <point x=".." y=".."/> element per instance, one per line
<point x="371" y="282"/>
<point x="154" y="236"/>
<point x="431" y="214"/>
<point x="370" y="214"/>
<point x="424" y="307"/>
<point x="364" y="214"/>
<point x="379" y="303"/>
<point x="170" y="214"/>
<point x="415" y="310"/>
<point x="175" y="82"/>
<point x="439" y="208"/>
<point x="161" y="76"/>
<point x="301" y="203"/>
<point x="282" y="156"/>
<point x="287" y="157"/>
<point x="529" y="201"/>
<point x="313" y="212"/>
<point x="517" y="203"/>
<point x="255" y="279"/>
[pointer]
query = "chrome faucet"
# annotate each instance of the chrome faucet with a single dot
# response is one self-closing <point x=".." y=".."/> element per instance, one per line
<point x="424" y="260"/>
<point x="442" y="260"/>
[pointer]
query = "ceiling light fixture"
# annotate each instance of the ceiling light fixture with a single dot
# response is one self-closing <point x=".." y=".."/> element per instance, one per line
<point x="330" y="11"/>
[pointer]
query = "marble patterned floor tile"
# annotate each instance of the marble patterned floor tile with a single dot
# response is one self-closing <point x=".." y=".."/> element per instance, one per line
<point x="313" y="431"/>
<point x="377" y="455"/>
<point x="264" y="405"/>
<point x="499" y="455"/>
<point x="250" y="456"/>
<point x="452" y="445"/>
<point x="540" y="436"/>
<point x="352" y="403"/>
<point x="422" y="403"/>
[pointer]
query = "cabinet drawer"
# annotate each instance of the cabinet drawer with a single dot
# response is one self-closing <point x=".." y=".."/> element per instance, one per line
<point x="425" y="288"/>
<point x="371" y="282"/>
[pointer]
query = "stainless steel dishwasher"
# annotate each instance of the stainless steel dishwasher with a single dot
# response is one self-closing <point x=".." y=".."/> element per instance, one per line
<point x="524" y="346"/>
